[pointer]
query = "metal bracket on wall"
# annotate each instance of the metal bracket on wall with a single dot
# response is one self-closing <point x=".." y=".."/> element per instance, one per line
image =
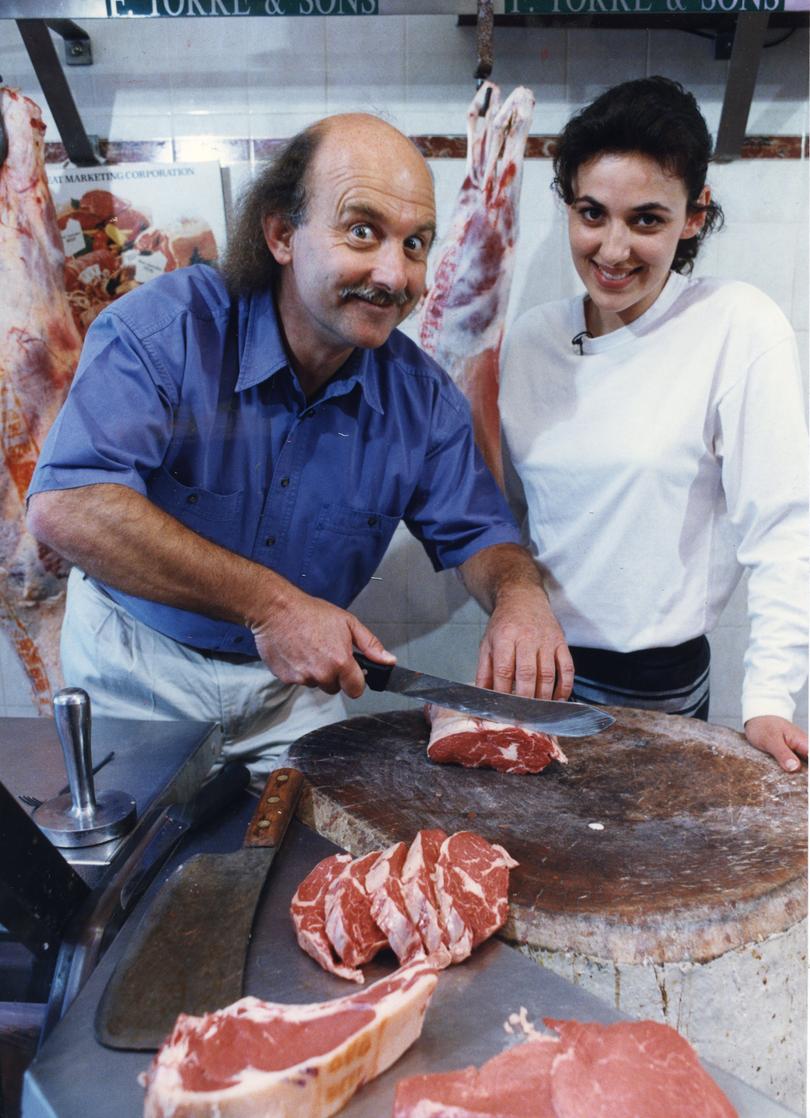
<point x="749" y="39"/>
<point x="78" y="48"/>
<point x="81" y="149"/>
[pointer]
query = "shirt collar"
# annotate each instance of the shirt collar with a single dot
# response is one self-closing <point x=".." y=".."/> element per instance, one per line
<point x="262" y="353"/>
<point x="673" y="287"/>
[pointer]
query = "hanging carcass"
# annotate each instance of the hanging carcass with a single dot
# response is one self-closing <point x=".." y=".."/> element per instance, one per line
<point x="39" y="350"/>
<point x="463" y="317"/>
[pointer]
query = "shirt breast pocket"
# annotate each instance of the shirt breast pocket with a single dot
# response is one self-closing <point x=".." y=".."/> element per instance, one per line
<point x="218" y="517"/>
<point x="344" y="550"/>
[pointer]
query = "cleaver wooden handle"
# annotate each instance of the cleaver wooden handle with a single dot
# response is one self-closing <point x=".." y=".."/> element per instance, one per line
<point x="276" y="808"/>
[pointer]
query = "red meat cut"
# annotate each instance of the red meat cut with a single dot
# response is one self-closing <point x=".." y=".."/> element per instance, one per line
<point x="349" y="923"/>
<point x="476" y="743"/>
<point x="388" y="909"/>
<point x="437" y="900"/>
<point x="258" y="1058"/>
<point x="309" y="916"/>
<point x="472" y="884"/>
<point x="419" y="891"/>
<point x="514" y="1084"/>
<point x="631" y="1067"/>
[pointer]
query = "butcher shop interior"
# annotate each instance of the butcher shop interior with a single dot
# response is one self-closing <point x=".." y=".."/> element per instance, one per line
<point x="403" y="676"/>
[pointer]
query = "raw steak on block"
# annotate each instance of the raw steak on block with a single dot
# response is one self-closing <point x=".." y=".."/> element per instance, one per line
<point x="349" y="923"/>
<point x="631" y="1067"/>
<point x="419" y="891"/>
<point x="388" y="910"/>
<point x="462" y="739"/>
<point x="309" y="916"/>
<point x="472" y="883"/>
<point x="258" y="1058"/>
<point x="514" y="1084"/>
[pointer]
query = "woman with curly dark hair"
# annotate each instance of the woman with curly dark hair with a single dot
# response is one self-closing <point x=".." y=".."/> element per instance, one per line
<point x="654" y="431"/>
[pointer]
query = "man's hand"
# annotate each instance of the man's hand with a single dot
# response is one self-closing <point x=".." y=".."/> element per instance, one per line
<point x="523" y="649"/>
<point x="310" y="642"/>
<point x="784" y="741"/>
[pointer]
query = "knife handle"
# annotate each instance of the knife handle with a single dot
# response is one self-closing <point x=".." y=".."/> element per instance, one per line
<point x="377" y="675"/>
<point x="276" y="808"/>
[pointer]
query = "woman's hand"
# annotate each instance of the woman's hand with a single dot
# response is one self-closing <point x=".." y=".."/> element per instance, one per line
<point x="784" y="741"/>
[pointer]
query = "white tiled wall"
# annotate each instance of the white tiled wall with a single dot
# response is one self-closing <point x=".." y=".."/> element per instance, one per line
<point x="250" y="77"/>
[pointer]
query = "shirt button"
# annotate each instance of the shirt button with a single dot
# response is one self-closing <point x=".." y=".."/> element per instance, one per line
<point x="192" y="499"/>
<point x="372" y="520"/>
<point x="285" y="481"/>
<point x="270" y="541"/>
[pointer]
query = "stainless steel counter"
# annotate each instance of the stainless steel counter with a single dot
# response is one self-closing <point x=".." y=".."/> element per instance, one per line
<point x="464" y="1023"/>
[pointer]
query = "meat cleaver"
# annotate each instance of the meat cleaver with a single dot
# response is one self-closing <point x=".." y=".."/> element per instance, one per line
<point x="188" y="953"/>
<point x="573" y="720"/>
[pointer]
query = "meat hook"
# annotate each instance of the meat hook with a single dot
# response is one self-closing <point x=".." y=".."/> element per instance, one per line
<point x="483" y="70"/>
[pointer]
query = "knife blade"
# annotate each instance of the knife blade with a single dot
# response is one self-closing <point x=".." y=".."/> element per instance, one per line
<point x="551" y="716"/>
<point x="188" y="953"/>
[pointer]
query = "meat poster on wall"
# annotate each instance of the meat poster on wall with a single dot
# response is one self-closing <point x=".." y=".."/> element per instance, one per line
<point x="123" y="225"/>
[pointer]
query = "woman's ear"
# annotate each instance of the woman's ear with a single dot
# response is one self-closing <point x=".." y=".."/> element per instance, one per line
<point x="696" y="220"/>
<point x="278" y="235"/>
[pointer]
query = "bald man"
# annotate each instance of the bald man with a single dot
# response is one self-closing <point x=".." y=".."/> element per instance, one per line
<point x="238" y="447"/>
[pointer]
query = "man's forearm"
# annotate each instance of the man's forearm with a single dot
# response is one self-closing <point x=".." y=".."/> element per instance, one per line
<point x="120" y="537"/>
<point x="498" y="571"/>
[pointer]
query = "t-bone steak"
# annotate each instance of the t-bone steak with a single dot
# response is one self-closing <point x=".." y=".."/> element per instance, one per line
<point x="255" y="1059"/>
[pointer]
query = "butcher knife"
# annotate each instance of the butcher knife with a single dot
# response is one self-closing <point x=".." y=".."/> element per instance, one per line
<point x="573" y="720"/>
<point x="188" y="954"/>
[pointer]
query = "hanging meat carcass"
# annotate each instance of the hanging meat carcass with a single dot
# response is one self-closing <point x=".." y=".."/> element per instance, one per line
<point x="39" y="350"/>
<point x="463" y="317"/>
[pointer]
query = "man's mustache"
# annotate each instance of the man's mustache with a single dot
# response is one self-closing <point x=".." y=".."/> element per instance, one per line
<point x="380" y="296"/>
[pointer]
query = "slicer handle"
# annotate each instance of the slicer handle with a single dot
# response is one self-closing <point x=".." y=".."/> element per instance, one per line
<point x="71" y="712"/>
<point x="377" y="675"/>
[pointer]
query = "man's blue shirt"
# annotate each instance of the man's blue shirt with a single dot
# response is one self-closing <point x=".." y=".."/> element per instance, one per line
<point x="185" y="394"/>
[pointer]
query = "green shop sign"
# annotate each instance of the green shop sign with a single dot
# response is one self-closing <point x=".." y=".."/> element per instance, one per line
<point x="642" y="7"/>
<point x="173" y="8"/>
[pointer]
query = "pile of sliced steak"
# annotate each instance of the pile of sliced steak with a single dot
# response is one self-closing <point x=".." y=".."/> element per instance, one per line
<point x="291" y="1061"/>
<point x="436" y="899"/>
<point x="592" y="1071"/>
<point x="479" y="743"/>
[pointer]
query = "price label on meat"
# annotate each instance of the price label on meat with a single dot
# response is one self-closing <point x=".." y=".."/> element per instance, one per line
<point x="123" y="225"/>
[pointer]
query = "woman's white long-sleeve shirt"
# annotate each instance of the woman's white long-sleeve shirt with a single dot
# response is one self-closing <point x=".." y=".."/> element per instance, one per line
<point x="651" y="469"/>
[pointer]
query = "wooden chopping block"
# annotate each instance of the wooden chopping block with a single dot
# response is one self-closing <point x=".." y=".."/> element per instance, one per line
<point x="663" y="839"/>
